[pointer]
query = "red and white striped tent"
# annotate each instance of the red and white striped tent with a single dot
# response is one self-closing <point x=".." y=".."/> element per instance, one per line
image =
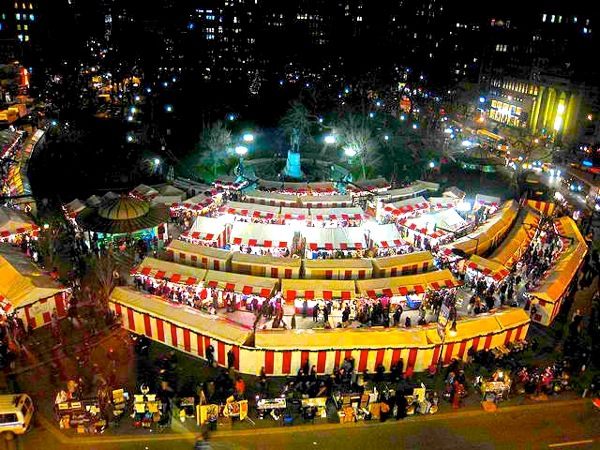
<point x="517" y="241"/>
<point x="487" y="267"/>
<point x="322" y="188"/>
<point x="317" y="289"/>
<point x="350" y="213"/>
<point x="339" y="238"/>
<point x="291" y="213"/>
<point x="407" y="284"/>
<point x="261" y="235"/>
<point x="144" y="192"/>
<point x="545" y="208"/>
<point x="415" y="189"/>
<point x="245" y="284"/>
<point x="406" y="264"/>
<point x="421" y="227"/>
<point x="406" y="206"/>
<point x="165" y="270"/>
<point x="229" y="182"/>
<point x="326" y="201"/>
<point x="383" y="235"/>
<point x="271" y="198"/>
<point x="250" y="210"/>
<point x="196" y="204"/>
<point x="33" y="296"/>
<point x="441" y="202"/>
<point x="337" y="269"/>
<point x="198" y="255"/>
<point x="181" y="327"/>
<point x="74" y="207"/>
<point x="487" y="200"/>
<point x="13" y="222"/>
<point x="365" y="186"/>
<point x="207" y="230"/>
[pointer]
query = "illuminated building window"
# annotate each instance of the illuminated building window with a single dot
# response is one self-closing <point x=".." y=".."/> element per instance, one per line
<point x="26" y="38"/>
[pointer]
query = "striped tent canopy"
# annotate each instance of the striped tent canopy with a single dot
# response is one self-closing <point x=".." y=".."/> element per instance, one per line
<point x="334" y="238"/>
<point x="164" y="270"/>
<point x="318" y="289"/>
<point x="245" y="284"/>
<point x="489" y="268"/>
<point x="13" y="221"/>
<point x="407" y="284"/>
<point x="204" y="229"/>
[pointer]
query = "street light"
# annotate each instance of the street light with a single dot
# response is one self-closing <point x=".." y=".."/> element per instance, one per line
<point x="248" y="137"/>
<point x="241" y="150"/>
<point x="350" y="151"/>
<point x="330" y="139"/>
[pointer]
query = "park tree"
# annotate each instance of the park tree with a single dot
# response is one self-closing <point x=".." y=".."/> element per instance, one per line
<point x="297" y="125"/>
<point x="215" y="142"/>
<point x="357" y="135"/>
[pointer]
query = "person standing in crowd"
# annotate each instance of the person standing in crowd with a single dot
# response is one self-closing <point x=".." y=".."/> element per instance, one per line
<point x="210" y="356"/>
<point x="315" y="312"/>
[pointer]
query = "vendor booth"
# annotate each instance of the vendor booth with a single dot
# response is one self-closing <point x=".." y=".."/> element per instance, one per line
<point x="337" y="269"/>
<point x="244" y="284"/>
<point x="402" y="208"/>
<point x="328" y="240"/>
<point x="144" y="192"/>
<point x="326" y="201"/>
<point x="414" y="190"/>
<point x="261" y="235"/>
<point x="169" y="194"/>
<point x="408" y="289"/>
<point x="544" y="208"/>
<point x="437" y="203"/>
<point x="183" y="328"/>
<point x="206" y="231"/>
<point x="487" y="200"/>
<point x="14" y="223"/>
<point x="271" y="198"/>
<point x="548" y="297"/>
<point x="200" y="204"/>
<point x="288" y="350"/>
<point x="409" y="263"/>
<point x="291" y="215"/>
<point x="384" y="237"/>
<point x="455" y="194"/>
<point x="32" y="296"/>
<point x="117" y="218"/>
<point x="337" y="217"/>
<point x="265" y="265"/>
<point x="293" y="188"/>
<point x="198" y="256"/>
<point x="297" y="291"/>
<point x="168" y="272"/>
<point x="516" y="243"/>
<point x="363" y="187"/>
<point x="487" y="267"/>
<point x="322" y="188"/>
<point x="250" y="211"/>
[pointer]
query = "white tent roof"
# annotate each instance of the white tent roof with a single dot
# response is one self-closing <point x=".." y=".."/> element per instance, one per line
<point x="487" y="199"/>
<point x="205" y="229"/>
<point x="93" y="201"/>
<point x="250" y="209"/>
<point x="354" y="212"/>
<point x="75" y="206"/>
<point x="442" y="202"/>
<point x="272" y="198"/>
<point x="145" y="191"/>
<point x="262" y="234"/>
<point x="448" y="220"/>
<point x="168" y="190"/>
<point x="384" y="235"/>
<point x="334" y="238"/>
<point x="454" y="192"/>
<point x="166" y="200"/>
<point x="408" y="205"/>
<point x="14" y="222"/>
<point x="322" y="201"/>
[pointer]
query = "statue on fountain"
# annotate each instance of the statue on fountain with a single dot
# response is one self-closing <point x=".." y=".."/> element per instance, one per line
<point x="292" y="166"/>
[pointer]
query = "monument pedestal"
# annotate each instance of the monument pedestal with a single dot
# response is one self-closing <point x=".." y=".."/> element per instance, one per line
<point x="292" y="167"/>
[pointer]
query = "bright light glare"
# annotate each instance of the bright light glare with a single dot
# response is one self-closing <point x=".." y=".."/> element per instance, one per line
<point x="431" y="164"/>
<point x="156" y="161"/>
<point x="248" y="137"/>
<point x="350" y="151"/>
<point x="241" y="150"/>
<point x="466" y="143"/>
<point x="330" y="139"/>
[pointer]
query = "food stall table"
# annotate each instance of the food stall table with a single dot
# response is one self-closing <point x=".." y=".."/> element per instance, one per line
<point x="318" y="403"/>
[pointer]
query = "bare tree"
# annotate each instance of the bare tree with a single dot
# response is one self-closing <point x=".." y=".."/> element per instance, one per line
<point x="358" y="137"/>
<point x="215" y="142"/>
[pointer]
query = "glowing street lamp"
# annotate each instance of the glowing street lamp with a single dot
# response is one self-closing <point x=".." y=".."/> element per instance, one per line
<point x="330" y="139"/>
<point x="241" y="150"/>
<point x="350" y="151"/>
<point x="248" y="137"/>
<point x="169" y="108"/>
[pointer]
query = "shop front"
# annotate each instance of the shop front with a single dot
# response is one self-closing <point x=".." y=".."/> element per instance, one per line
<point x="406" y="264"/>
<point x="333" y="242"/>
<point x="337" y="269"/>
<point x="517" y="242"/>
<point x="265" y="265"/>
<point x="262" y="238"/>
<point x="271" y="198"/>
<point x="476" y="265"/>
<point x="207" y="232"/>
<point x="246" y="286"/>
<point x="305" y="294"/>
<point x="198" y="256"/>
<point x="250" y="212"/>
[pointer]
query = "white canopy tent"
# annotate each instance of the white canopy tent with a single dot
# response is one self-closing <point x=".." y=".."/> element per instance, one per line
<point x="383" y="235"/>
<point x="354" y="212"/>
<point x="261" y="234"/>
<point x="441" y="202"/>
<point x="250" y="209"/>
<point x="334" y="238"/>
<point x="406" y="206"/>
<point x="206" y="229"/>
<point x="487" y="200"/>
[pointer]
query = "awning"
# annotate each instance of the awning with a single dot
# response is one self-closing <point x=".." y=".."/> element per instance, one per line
<point x="250" y="209"/>
<point x="246" y="284"/>
<point x="325" y="201"/>
<point x="198" y="251"/>
<point x="317" y="289"/>
<point x="338" y="238"/>
<point x="517" y="242"/>
<point x="386" y="235"/>
<point x="176" y="273"/>
<point x="488" y="268"/>
<point x="354" y="213"/>
<point x="441" y="202"/>
<point x="407" y="284"/>
<point x="406" y="206"/>
<point x="205" y="229"/>
<point x="408" y="262"/>
<point x="262" y="234"/>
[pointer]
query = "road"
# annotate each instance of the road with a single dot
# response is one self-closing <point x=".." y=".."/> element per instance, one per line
<point x="567" y="424"/>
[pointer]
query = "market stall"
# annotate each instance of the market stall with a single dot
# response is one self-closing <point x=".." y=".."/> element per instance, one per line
<point x="549" y="295"/>
<point x="517" y="241"/>
<point x="183" y="328"/>
<point x="544" y="208"/>
<point x="261" y="237"/>
<point x="199" y="204"/>
<point x="292" y="188"/>
<point x="294" y="216"/>
<point x="271" y="198"/>
<point x="414" y="190"/>
<point x="487" y="267"/>
<point x="245" y="284"/>
<point x="250" y="211"/>
<point x="287" y="350"/>
<point x="329" y="240"/>
<point x="32" y="296"/>
<point x="265" y="265"/>
<point x="326" y="201"/>
<point x="402" y="208"/>
<point x="312" y="290"/>
<point x="158" y="270"/>
<point x="319" y="188"/>
<point x="14" y="223"/>
<point x="337" y="269"/>
<point x="437" y="203"/>
<point x="384" y="238"/>
<point x="376" y="185"/>
<point x="409" y="263"/>
<point x="481" y="199"/>
<point x="207" y="231"/>
<point x="198" y="256"/>
<point x="144" y="192"/>
<point x="408" y="289"/>
<point x="337" y="217"/>
<point x="230" y="183"/>
<point x="169" y="194"/>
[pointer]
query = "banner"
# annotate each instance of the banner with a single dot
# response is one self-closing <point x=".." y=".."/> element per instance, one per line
<point x="207" y="413"/>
